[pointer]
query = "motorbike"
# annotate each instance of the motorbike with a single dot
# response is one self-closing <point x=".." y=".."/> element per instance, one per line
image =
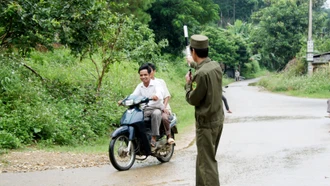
<point x="132" y="139"/>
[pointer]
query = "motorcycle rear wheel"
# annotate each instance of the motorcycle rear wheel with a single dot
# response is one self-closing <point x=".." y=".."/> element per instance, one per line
<point x="120" y="158"/>
<point x="168" y="154"/>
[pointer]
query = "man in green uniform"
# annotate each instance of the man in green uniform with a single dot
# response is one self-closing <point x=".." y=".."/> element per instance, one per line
<point x="204" y="91"/>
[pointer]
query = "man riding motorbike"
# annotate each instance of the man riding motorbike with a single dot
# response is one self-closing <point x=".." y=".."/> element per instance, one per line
<point x="151" y="89"/>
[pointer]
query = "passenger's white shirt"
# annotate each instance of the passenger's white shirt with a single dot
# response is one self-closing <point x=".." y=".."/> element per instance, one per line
<point x="154" y="88"/>
<point x="165" y="91"/>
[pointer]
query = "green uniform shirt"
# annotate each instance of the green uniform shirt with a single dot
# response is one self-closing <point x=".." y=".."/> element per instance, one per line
<point x="205" y="93"/>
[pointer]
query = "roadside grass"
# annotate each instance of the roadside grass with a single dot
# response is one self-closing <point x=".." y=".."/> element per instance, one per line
<point x="318" y="95"/>
<point x="315" y="86"/>
<point x="100" y="146"/>
<point x="261" y="72"/>
<point x="324" y="94"/>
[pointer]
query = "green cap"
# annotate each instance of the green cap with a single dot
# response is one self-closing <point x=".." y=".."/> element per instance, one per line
<point x="199" y="41"/>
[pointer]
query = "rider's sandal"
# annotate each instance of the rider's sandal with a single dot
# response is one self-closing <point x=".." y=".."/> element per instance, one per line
<point x="153" y="143"/>
<point x="170" y="141"/>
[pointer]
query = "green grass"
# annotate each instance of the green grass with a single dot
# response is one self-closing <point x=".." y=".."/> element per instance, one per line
<point x="315" y="86"/>
<point x="100" y="146"/>
<point x="321" y="95"/>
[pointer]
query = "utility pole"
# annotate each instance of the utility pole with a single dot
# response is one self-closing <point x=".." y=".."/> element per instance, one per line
<point x="310" y="45"/>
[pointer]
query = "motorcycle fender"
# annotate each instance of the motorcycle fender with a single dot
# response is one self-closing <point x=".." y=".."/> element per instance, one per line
<point x="124" y="130"/>
<point x="174" y="129"/>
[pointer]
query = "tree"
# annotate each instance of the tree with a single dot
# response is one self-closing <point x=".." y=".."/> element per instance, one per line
<point x="321" y="32"/>
<point x="231" y="10"/>
<point x="25" y="25"/>
<point x="169" y="16"/>
<point x="91" y="29"/>
<point x="227" y="47"/>
<point x="137" y="8"/>
<point x="87" y="27"/>
<point x="278" y="37"/>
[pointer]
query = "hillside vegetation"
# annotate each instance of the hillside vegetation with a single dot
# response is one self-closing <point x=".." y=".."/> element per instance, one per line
<point x="65" y="64"/>
<point x="60" y="105"/>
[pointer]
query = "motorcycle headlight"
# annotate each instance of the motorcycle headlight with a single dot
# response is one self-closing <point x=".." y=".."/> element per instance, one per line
<point x="128" y="102"/>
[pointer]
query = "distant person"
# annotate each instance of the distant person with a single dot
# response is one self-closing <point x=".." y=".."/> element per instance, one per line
<point x="224" y="99"/>
<point x="237" y="75"/>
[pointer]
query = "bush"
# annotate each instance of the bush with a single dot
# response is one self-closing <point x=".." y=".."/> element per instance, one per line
<point x="59" y="56"/>
<point x="8" y="141"/>
<point x="62" y="110"/>
<point x="251" y="69"/>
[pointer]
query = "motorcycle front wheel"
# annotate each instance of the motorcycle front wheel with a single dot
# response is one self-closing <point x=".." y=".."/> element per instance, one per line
<point x="120" y="156"/>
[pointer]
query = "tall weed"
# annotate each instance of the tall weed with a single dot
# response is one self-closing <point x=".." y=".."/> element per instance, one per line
<point x="316" y="85"/>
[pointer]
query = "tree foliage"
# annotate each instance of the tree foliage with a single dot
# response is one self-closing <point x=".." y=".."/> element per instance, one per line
<point x="227" y="47"/>
<point x="278" y="35"/>
<point x="232" y="10"/>
<point x="137" y="8"/>
<point x="86" y="27"/>
<point x="281" y="30"/>
<point x="25" y="25"/>
<point x="115" y="36"/>
<point x="222" y="46"/>
<point x="169" y="17"/>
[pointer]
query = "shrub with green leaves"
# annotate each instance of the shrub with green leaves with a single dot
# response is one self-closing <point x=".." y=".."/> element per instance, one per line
<point x="8" y="141"/>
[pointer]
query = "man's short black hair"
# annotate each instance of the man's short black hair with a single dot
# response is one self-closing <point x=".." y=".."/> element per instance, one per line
<point x="201" y="52"/>
<point x="145" y="67"/>
<point x="152" y="66"/>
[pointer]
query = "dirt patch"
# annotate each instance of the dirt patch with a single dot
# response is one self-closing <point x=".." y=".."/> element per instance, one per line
<point x="41" y="160"/>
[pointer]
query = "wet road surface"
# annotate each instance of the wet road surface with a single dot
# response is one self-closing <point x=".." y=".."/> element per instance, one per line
<point x="268" y="140"/>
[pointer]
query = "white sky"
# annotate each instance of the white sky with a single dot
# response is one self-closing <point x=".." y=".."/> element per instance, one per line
<point x="327" y="4"/>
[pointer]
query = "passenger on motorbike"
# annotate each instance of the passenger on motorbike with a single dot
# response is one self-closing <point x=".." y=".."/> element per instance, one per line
<point x="151" y="89"/>
<point x="167" y="109"/>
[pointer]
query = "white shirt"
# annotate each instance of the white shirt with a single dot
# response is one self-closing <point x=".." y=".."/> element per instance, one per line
<point x="236" y="73"/>
<point x="165" y="91"/>
<point x="154" y="89"/>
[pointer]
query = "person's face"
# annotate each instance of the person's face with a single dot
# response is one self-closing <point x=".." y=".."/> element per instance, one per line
<point x="145" y="76"/>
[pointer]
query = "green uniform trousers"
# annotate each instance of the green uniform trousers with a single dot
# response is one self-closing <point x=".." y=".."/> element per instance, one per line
<point x="207" y="141"/>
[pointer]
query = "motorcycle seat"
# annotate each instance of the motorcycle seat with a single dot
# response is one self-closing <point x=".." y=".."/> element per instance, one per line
<point x="148" y="118"/>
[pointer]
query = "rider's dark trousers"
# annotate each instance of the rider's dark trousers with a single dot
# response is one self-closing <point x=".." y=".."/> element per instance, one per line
<point x="166" y="123"/>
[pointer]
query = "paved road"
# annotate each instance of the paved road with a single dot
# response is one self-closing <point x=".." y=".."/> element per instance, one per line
<point x="269" y="139"/>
